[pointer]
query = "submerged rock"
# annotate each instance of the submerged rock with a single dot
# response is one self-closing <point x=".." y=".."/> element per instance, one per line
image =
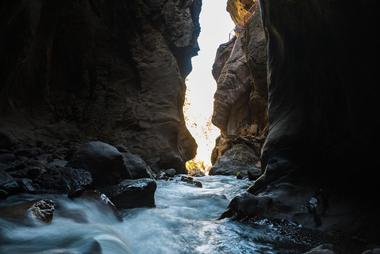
<point x="103" y="161"/>
<point x="190" y="180"/>
<point x="132" y="193"/>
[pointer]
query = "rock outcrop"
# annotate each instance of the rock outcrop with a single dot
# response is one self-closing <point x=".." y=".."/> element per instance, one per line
<point x="109" y="70"/>
<point x="240" y="102"/>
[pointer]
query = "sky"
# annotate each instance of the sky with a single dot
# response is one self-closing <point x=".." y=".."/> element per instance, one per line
<point x="216" y="25"/>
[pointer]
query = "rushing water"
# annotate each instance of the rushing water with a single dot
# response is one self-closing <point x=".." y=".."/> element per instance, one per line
<point x="184" y="221"/>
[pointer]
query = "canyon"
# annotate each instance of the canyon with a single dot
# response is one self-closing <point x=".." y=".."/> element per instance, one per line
<point x="91" y="116"/>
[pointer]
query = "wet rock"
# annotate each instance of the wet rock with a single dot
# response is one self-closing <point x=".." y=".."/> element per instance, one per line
<point x="322" y="249"/>
<point x="171" y="172"/>
<point x="190" y="180"/>
<point x="43" y="210"/>
<point x="238" y="160"/>
<point x="101" y="199"/>
<point x="132" y="193"/>
<point x="27" y="185"/>
<point x="103" y="161"/>
<point x="136" y="166"/>
<point x="247" y="205"/>
<point x="7" y="183"/>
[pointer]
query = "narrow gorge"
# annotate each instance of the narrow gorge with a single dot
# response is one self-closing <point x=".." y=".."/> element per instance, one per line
<point x="96" y="147"/>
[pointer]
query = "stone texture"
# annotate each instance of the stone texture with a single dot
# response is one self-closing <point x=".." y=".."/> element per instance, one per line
<point x="132" y="193"/>
<point x="240" y="102"/>
<point x="110" y="70"/>
<point x="103" y="161"/>
<point x="237" y="161"/>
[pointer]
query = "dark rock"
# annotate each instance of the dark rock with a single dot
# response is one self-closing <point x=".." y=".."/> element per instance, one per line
<point x="171" y="172"/>
<point x="136" y="166"/>
<point x="27" y="185"/>
<point x="43" y="210"/>
<point x="238" y="160"/>
<point x="190" y="180"/>
<point x="132" y="193"/>
<point x="7" y="183"/>
<point x="6" y="140"/>
<point x="103" y="161"/>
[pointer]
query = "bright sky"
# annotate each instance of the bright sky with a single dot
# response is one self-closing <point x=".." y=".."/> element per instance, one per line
<point x="216" y="25"/>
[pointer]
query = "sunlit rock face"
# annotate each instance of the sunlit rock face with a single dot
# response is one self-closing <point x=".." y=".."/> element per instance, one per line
<point x="240" y="102"/>
<point x="112" y="70"/>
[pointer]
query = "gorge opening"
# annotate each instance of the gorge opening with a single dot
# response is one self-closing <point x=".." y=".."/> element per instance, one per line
<point x="216" y="28"/>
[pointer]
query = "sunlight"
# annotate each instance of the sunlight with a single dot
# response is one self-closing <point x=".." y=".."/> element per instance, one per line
<point x="216" y="26"/>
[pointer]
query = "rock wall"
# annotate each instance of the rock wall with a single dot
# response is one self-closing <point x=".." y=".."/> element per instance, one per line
<point x="110" y="70"/>
<point x="323" y="94"/>
<point x="240" y="102"/>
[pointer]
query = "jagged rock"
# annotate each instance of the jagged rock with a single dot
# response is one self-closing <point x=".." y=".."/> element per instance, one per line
<point x="136" y="166"/>
<point x="238" y="160"/>
<point x="322" y="249"/>
<point x="103" y="161"/>
<point x="43" y="210"/>
<point x="132" y="193"/>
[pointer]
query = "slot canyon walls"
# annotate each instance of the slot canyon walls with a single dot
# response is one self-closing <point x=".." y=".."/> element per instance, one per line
<point x="110" y="70"/>
<point x="240" y="102"/>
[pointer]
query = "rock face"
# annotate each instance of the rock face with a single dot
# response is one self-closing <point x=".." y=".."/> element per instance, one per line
<point x="317" y="111"/>
<point x="110" y="70"/>
<point x="240" y="102"/>
<point x="321" y="126"/>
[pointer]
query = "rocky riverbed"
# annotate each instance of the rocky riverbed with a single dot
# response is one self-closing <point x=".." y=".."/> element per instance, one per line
<point x="185" y="220"/>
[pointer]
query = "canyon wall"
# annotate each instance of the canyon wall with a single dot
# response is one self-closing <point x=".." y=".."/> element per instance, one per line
<point x="109" y="70"/>
<point x="323" y="94"/>
<point x="240" y="101"/>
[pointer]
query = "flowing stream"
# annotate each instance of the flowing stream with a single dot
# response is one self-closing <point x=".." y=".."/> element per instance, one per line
<point x="184" y="221"/>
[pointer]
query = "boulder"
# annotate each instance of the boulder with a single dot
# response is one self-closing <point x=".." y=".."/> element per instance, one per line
<point x="136" y="166"/>
<point x="42" y="210"/>
<point x="238" y="160"/>
<point x="132" y="193"/>
<point x="103" y="161"/>
<point x="171" y="172"/>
